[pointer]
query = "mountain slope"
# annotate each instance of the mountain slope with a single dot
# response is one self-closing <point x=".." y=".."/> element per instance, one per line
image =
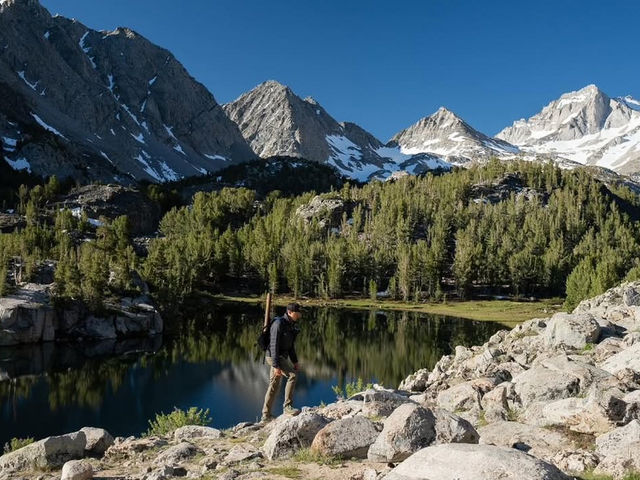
<point x="275" y="121"/>
<point x="585" y="126"/>
<point x="448" y="136"/>
<point x="107" y="106"/>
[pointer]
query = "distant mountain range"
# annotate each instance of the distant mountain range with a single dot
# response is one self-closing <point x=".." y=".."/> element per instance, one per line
<point x="113" y="107"/>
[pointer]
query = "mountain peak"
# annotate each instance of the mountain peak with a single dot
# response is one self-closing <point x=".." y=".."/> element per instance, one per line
<point x="32" y="5"/>
<point x="447" y="135"/>
<point x="444" y="114"/>
<point x="585" y="126"/>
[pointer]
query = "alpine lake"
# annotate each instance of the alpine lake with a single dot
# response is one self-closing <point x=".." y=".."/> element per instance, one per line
<point x="212" y="362"/>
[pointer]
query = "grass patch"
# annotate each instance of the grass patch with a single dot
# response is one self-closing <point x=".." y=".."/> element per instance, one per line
<point x="167" y="423"/>
<point x="306" y="455"/>
<point x="581" y="441"/>
<point x="593" y="476"/>
<point x="16" y="444"/>
<point x="588" y="347"/>
<point x="482" y="420"/>
<point x="507" y="312"/>
<point x="513" y="414"/>
<point x="289" y="472"/>
<point x="526" y="333"/>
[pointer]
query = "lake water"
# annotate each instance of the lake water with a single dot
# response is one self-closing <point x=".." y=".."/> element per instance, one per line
<point x="212" y="363"/>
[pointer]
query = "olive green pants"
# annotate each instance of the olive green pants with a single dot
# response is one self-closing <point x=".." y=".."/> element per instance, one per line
<point x="274" y="385"/>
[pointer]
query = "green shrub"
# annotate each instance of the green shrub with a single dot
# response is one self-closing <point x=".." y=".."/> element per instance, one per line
<point x="16" y="444"/>
<point x="167" y="423"/>
<point x="351" y="388"/>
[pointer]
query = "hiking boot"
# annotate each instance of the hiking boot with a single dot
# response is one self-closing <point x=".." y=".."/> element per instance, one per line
<point x="266" y="418"/>
<point x="291" y="411"/>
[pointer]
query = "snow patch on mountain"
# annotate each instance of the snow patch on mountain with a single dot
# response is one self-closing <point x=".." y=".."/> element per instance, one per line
<point x="47" y="127"/>
<point x="19" y="164"/>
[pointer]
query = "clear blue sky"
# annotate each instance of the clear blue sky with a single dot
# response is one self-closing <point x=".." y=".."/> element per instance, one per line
<point x="385" y="64"/>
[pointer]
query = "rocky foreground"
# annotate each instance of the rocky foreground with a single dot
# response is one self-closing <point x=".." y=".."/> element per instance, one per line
<point x="552" y="399"/>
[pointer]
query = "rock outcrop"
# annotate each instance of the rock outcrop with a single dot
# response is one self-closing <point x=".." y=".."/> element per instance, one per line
<point x="473" y="462"/>
<point x="28" y="316"/>
<point x="565" y="389"/>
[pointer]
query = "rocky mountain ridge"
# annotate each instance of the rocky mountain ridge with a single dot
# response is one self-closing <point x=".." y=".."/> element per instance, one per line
<point x="107" y="106"/>
<point x="111" y="106"/>
<point x="276" y="121"/>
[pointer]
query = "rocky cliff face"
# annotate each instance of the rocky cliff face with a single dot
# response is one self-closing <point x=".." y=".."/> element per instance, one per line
<point x="585" y="126"/>
<point x="107" y="106"/>
<point x="448" y="136"/>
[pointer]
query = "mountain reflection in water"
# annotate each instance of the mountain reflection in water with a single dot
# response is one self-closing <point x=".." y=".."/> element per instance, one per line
<point x="211" y="362"/>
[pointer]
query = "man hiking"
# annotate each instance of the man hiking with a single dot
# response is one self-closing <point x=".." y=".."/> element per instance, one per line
<point x="281" y="356"/>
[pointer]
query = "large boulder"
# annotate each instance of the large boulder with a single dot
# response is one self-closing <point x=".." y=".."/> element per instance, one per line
<point x="556" y="378"/>
<point x="450" y="428"/>
<point x="27" y="316"/>
<point x="326" y="210"/>
<point x="620" y="462"/>
<point x="540" y="442"/>
<point x="76" y="470"/>
<point x="629" y="358"/>
<point x="346" y="438"/>
<point x="189" y="432"/>
<point x="176" y="453"/>
<point x="460" y="461"/>
<point x="571" y="330"/>
<point x="408" y="429"/>
<point x="50" y="452"/>
<point x="379" y="402"/>
<point x="597" y="413"/>
<point x="295" y="433"/>
<point x="98" y="440"/>
<point x="416" y="382"/>
<point x="341" y="409"/>
<point x="464" y="396"/>
<point x="619" y="439"/>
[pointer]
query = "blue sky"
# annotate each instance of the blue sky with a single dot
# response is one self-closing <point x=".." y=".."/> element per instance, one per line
<point x="386" y="64"/>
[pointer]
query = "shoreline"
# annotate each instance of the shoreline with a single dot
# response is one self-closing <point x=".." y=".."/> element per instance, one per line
<point x="506" y="312"/>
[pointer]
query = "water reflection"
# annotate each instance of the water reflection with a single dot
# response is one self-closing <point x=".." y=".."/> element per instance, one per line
<point x="212" y="362"/>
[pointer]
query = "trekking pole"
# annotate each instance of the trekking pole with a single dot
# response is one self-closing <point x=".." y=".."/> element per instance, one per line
<point x="267" y="312"/>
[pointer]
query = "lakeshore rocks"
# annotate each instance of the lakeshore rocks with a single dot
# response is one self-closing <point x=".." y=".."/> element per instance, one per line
<point x="177" y="453"/>
<point x="98" y="440"/>
<point x="556" y="378"/>
<point x="461" y="461"/>
<point x="379" y="402"/>
<point x="629" y="358"/>
<point x="540" y="442"/>
<point x="416" y="382"/>
<point x="573" y="331"/>
<point x="346" y="438"/>
<point x="450" y="428"/>
<point x="28" y="316"/>
<point x="189" y="432"/>
<point x="77" y="470"/>
<point x="46" y="453"/>
<point x="620" y="438"/>
<point x="293" y="434"/>
<point x="408" y="429"/>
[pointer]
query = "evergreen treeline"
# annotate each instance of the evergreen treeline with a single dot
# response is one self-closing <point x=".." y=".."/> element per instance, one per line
<point x="558" y="233"/>
<point x="88" y="271"/>
<point x="415" y="238"/>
